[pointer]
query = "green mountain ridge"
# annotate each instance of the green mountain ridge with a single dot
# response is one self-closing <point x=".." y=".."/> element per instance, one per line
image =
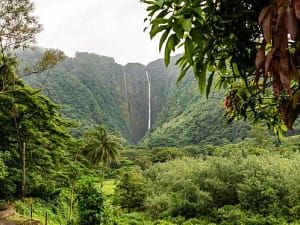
<point x="94" y="89"/>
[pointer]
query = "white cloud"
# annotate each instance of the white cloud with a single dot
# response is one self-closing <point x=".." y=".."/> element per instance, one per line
<point x="110" y="28"/>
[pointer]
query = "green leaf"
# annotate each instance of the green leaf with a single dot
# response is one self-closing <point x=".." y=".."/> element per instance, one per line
<point x="199" y="11"/>
<point x="209" y="83"/>
<point x="211" y="67"/>
<point x="181" y="61"/>
<point x="149" y="2"/>
<point x="224" y="82"/>
<point x="163" y="38"/>
<point x="222" y="67"/>
<point x="179" y="32"/>
<point x="202" y="79"/>
<point x="162" y="14"/>
<point x="235" y="69"/>
<point x="200" y="73"/>
<point x="157" y="29"/>
<point x="186" y="24"/>
<point x="157" y="21"/>
<point x="160" y="2"/>
<point x="284" y="127"/>
<point x="183" y="72"/>
<point x="188" y="47"/>
<point x="197" y="36"/>
<point x="167" y="56"/>
<point x="171" y="43"/>
<point x="170" y="46"/>
<point x="152" y="8"/>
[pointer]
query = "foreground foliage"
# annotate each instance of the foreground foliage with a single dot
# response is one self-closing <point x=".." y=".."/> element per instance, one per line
<point x="29" y="117"/>
<point x="221" y="38"/>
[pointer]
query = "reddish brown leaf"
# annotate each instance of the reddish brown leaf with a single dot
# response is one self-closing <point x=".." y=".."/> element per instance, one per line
<point x="267" y="26"/>
<point x="291" y="115"/>
<point x="277" y="85"/>
<point x="260" y="56"/>
<point x="281" y="40"/>
<point x="297" y="54"/>
<point x="225" y="103"/>
<point x="294" y="74"/>
<point x="268" y="60"/>
<point x="280" y="16"/>
<point x="291" y="23"/>
<point x="280" y="2"/>
<point x="282" y="108"/>
<point x="297" y="8"/>
<point x="263" y="13"/>
<point x="285" y="81"/>
<point x="257" y="75"/>
<point x="284" y="63"/>
<point x="276" y="89"/>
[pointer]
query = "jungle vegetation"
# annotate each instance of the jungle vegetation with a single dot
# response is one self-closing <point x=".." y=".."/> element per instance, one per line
<point x="189" y="168"/>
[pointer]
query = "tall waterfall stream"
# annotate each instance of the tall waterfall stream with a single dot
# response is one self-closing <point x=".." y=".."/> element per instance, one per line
<point x="149" y="101"/>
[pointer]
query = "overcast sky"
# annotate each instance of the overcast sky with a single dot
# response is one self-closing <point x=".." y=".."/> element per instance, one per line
<point x="107" y="27"/>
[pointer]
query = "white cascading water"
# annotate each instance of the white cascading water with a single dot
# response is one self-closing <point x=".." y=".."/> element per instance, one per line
<point x="149" y="101"/>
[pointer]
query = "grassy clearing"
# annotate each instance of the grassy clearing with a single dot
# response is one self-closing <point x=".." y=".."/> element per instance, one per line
<point x="109" y="187"/>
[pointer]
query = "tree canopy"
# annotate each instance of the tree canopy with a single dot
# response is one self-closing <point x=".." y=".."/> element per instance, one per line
<point x="251" y="47"/>
<point x="101" y="146"/>
<point x="18" y="26"/>
<point x="28" y="117"/>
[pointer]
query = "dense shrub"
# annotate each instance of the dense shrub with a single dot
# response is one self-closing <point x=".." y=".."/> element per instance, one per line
<point x="240" y="186"/>
<point x="90" y="203"/>
<point x="131" y="191"/>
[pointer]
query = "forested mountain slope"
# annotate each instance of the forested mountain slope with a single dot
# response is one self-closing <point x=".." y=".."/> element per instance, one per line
<point x="188" y="118"/>
<point x="94" y="89"/>
<point x="86" y="88"/>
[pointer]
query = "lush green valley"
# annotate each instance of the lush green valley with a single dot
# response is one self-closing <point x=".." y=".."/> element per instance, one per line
<point x="93" y="90"/>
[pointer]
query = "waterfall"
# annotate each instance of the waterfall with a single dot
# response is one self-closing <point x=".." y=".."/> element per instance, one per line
<point x="149" y="101"/>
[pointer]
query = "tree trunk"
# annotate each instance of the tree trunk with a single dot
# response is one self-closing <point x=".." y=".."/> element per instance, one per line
<point x="103" y="167"/>
<point x="72" y="193"/>
<point x="71" y="203"/>
<point x="23" y="171"/>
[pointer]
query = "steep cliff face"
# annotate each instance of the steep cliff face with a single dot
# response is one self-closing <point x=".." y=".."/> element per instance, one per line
<point x="136" y="114"/>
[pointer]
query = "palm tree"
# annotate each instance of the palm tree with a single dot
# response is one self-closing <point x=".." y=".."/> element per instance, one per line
<point x="102" y="146"/>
